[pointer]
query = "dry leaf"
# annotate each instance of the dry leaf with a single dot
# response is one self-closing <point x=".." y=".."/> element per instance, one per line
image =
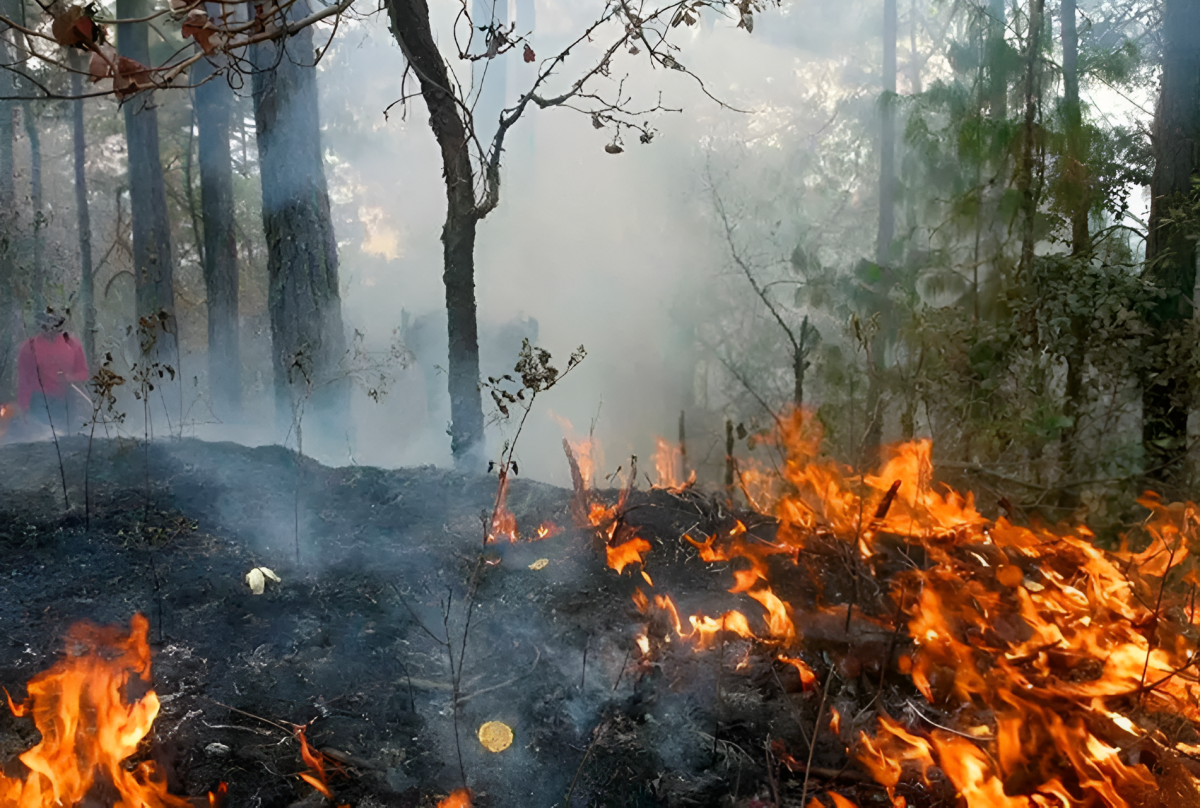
<point x="528" y="55"/>
<point x="540" y="564"/>
<point x="256" y="579"/>
<point x="613" y="148"/>
<point x="199" y="26"/>
<point x="75" y="28"/>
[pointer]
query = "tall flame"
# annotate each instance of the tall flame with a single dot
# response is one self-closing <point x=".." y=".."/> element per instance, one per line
<point x="92" y="708"/>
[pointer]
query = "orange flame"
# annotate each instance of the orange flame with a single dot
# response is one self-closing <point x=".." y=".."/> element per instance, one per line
<point x="631" y="552"/>
<point x="315" y="761"/>
<point x="88" y="726"/>
<point x="546" y="530"/>
<point x="459" y="798"/>
<point x="504" y="522"/>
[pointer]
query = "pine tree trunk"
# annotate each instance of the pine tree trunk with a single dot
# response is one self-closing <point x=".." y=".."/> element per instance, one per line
<point x="87" y="294"/>
<point x="304" y="298"/>
<point x="1170" y="251"/>
<point x="914" y="59"/>
<point x="214" y="105"/>
<point x="410" y="26"/>
<point x="887" y="139"/>
<point x="152" y="263"/>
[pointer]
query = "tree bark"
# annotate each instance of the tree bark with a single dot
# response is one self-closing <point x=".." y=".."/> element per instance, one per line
<point x="87" y="293"/>
<point x="152" y="263"/>
<point x="214" y="105"/>
<point x="10" y="324"/>
<point x="304" y="298"/>
<point x="37" y="270"/>
<point x="887" y="139"/>
<point x="411" y="27"/>
<point x="1170" y="251"/>
<point x="1025" y="184"/>
<point x="914" y="59"/>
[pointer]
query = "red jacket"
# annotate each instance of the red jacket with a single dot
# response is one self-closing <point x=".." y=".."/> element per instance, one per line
<point x="49" y="363"/>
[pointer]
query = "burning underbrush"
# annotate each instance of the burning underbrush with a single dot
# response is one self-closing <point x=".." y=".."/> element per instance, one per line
<point x="866" y="640"/>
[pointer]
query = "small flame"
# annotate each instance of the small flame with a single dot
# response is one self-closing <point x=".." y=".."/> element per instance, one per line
<point x="504" y="522"/>
<point x="546" y="530"/>
<point x="459" y="798"/>
<point x="315" y="761"/>
<point x="668" y="465"/>
<point x="835" y="721"/>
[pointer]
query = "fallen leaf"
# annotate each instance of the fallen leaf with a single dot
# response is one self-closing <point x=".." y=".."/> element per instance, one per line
<point x="540" y="564"/>
<point x="495" y="736"/>
<point x="256" y="579"/>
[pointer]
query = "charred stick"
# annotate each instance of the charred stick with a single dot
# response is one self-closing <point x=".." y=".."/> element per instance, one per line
<point x="624" y="663"/>
<point x="771" y="775"/>
<point x="1162" y="588"/>
<point x="583" y="673"/>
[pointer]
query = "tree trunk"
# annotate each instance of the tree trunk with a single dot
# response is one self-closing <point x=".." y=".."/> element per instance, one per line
<point x="308" y="340"/>
<point x="410" y="26"/>
<point x="1080" y="238"/>
<point x="1170" y="251"/>
<point x="10" y="309"/>
<point x="1025" y="184"/>
<point x="87" y="294"/>
<point x="37" y="270"/>
<point x="1081" y="205"/>
<point x="214" y="104"/>
<point x="997" y="61"/>
<point x="152" y="263"/>
<point x="887" y="139"/>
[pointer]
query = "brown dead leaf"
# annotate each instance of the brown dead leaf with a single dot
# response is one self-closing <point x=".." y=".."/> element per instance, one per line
<point x="199" y="26"/>
<point x="75" y="28"/>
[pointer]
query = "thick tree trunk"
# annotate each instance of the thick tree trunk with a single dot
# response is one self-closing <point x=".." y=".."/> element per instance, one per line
<point x="37" y="270"/>
<point x="87" y="288"/>
<point x="997" y="62"/>
<point x="1170" y="251"/>
<point x="308" y="339"/>
<point x="1025" y="183"/>
<point x="152" y="263"/>
<point x="887" y="139"/>
<point x="410" y="26"/>
<point x="214" y="105"/>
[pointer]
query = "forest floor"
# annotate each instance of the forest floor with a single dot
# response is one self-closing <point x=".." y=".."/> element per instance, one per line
<point x="378" y="569"/>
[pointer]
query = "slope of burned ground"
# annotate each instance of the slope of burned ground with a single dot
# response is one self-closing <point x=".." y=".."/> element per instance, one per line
<point x="353" y="642"/>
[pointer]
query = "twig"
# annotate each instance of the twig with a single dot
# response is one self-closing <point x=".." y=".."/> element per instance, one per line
<point x="812" y="747"/>
<point x="597" y="733"/>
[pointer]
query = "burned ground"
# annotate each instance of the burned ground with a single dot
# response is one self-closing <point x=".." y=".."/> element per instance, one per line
<point x="352" y="642"/>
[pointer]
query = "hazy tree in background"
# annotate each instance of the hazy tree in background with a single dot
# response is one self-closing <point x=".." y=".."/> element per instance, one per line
<point x="214" y="107"/>
<point x="308" y="340"/>
<point x="887" y="138"/>
<point x="455" y="128"/>
<point x="997" y="59"/>
<point x="1170" y="245"/>
<point x="152" y="260"/>
<point x="1024" y="179"/>
<point x="83" y="219"/>
<point x="10" y="306"/>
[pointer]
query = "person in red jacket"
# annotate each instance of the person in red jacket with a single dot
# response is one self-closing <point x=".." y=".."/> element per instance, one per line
<point x="51" y="368"/>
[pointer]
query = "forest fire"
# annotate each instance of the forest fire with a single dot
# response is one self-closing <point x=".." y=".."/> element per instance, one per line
<point x="93" y="709"/>
<point x="1059" y="672"/>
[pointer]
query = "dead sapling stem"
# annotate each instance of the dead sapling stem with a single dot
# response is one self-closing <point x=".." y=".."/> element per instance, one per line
<point x="1162" y="588"/>
<point x="583" y="672"/>
<point x="62" y="473"/>
<point x="729" y="461"/>
<point x="881" y="512"/>
<point x="157" y="594"/>
<point x="812" y="747"/>
<point x="624" y="664"/>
